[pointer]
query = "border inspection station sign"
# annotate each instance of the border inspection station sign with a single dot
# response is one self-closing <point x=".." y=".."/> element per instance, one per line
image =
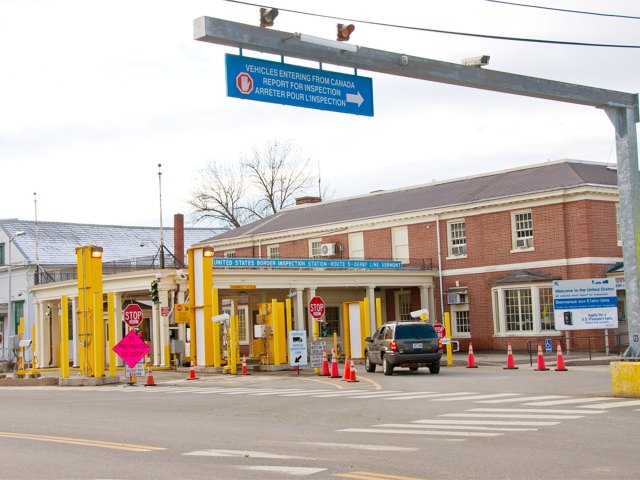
<point x="585" y="304"/>
<point x="238" y="262"/>
<point x="277" y="82"/>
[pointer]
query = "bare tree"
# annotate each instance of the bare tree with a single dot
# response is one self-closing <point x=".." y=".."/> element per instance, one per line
<point x="280" y="173"/>
<point x="262" y="183"/>
<point x="220" y="194"/>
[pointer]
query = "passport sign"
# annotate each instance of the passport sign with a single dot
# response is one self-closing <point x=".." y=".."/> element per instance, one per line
<point x="585" y="304"/>
<point x="131" y="349"/>
<point x="277" y="82"/>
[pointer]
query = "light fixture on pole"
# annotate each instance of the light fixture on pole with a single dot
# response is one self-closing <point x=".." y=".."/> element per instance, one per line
<point x="267" y="16"/>
<point x="479" y="61"/>
<point x="161" y="235"/>
<point x="11" y="331"/>
<point x="344" y="31"/>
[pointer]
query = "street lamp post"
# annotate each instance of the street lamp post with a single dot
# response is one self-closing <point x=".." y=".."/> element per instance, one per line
<point x="10" y="331"/>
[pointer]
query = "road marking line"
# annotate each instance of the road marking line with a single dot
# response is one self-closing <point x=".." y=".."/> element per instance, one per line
<point x="345" y="393"/>
<point x="373" y="476"/>
<point x="477" y="397"/>
<point x="308" y="392"/>
<point x="529" y="410"/>
<point x="375" y="384"/>
<point x="325" y="382"/>
<point x="457" y="427"/>
<point x="567" y="402"/>
<point x="275" y="391"/>
<point x="488" y="422"/>
<point x="512" y="415"/>
<point x="361" y="446"/>
<point x="81" y="441"/>
<point x="296" y="471"/>
<point x="242" y="453"/>
<point x="523" y="399"/>
<point x="376" y="394"/>
<point x="427" y="395"/>
<point x="421" y="432"/>
<point x="614" y="404"/>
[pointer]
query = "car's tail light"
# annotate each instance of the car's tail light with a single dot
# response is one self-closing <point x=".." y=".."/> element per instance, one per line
<point x="439" y="344"/>
<point x="393" y="346"/>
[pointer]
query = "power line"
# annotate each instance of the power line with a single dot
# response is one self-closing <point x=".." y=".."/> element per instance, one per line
<point x="446" y="32"/>
<point x="565" y="10"/>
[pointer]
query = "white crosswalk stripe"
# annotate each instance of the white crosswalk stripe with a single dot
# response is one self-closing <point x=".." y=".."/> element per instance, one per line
<point x="530" y="416"/>
<point x="422" y="432"/>
<point x="614" y="403"/>
<point x="531" y="410"/>
<point x="476" y="397"/>
<point x="412" y="396"/>
<point x="458" y="427"/>
<point x="522" y="399"/>
<point x="567" y="402"/>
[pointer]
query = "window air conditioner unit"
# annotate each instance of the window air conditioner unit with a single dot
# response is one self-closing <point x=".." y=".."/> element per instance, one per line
<point x="459" y="250"/>
<point x="454" y="298"/>
<point x="327" y="249"/>
<point x="524" y="242"/>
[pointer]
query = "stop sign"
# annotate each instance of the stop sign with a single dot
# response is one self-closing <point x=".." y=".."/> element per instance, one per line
<point x="440" y="330"/>
<point x="316" y="307"/>
<point x="132" y="315"/>
<point x="244" y="82"/>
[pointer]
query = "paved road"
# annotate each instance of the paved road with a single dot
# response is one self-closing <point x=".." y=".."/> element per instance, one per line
<point x="460" y="424"/>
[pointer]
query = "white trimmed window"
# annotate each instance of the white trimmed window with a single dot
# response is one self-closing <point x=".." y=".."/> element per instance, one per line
<point x="461" y="322"/>
<point x="400" y="244"/>
<point x="273" y="251"/>
<point x="523" y="310"/>
<point x="230" y="254"/>
<point x="457" y="233"/>
<point x="315" y="248"/>
<point x="356" y="245"/>
<point x="403" y="305"/>
<point x="243" y="324"/>
<point x="522" y="230"/>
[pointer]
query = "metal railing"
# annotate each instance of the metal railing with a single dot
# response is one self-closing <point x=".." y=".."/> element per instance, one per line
<point x="589" y="344"/>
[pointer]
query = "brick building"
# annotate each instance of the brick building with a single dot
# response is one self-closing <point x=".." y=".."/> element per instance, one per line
<point x="484" y="248"/>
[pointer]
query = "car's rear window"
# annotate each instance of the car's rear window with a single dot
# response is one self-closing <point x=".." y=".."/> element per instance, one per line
<point x="418" y="331"/>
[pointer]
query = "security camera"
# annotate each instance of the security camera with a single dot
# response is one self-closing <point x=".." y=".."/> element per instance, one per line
<point x="418" y="313"/>
<point x="181" y="274"/>
<point x="479" y="61"/>
<point x="142" y="243"/>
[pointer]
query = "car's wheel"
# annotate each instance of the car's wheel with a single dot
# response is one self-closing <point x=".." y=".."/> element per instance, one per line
<point x="413" y="369"/>
<point x="368" y="364"/>
<point x="434" y="368"/>
<point x="387" y="368"/>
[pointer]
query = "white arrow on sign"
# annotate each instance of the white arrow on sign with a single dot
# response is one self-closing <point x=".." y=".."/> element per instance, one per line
<point x="357" y="98"/>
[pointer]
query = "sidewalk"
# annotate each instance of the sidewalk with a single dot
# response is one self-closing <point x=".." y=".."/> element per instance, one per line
<point x="522" y="358"/>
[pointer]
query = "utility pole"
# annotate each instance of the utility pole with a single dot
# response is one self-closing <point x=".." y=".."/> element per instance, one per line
<point x="161" y="234"/>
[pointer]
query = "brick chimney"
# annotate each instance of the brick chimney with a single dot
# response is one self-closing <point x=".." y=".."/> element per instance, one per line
<point x="178" y="238"/>
<point x="307" y="199"/>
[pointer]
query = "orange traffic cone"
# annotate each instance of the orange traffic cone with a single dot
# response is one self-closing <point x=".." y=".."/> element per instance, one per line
<point x="511" y="365"/>
<point x="150" y="381"/>
<point x="471" y="360"/>
<point x="541" y="365"/>
<point x="347" y="371"/>
<point x="245" y="371"/>
<point x="335" y="373"/>
<point x="560" y="363"/>
<point x="192" y="372"/>
<point x="132" y="380"/>
<point x="352" y="373"/>
<point x="325" y="364"/>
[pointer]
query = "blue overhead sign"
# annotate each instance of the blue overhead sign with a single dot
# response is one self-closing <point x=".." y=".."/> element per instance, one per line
<point x="305" y="263"/>
<point x="277" y="82"/>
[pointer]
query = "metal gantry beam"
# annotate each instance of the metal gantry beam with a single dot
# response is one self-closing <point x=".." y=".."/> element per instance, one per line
<point x="621" y="107"/>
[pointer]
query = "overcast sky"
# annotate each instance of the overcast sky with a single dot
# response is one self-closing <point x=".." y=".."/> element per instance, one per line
<point x="95" y="93"/>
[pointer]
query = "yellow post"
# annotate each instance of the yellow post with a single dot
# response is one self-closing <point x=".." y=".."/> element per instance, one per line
<point x="287" y="308"/>
<point x="207" y="286"/>
<point x="111" y="323"/>
<point x="217" y="353"/>
<point x="277" y="323"/>
<point x="90" y="310"/>
<point x="447" y="326"/>
<point x="34" y="350"/>
<point x="315" y="339"/>
<point x="233" y="344"/>
<point x="192" y="309"/>
<point x="378" y="312"/>
<point x="20" y="365"/>
<point x="64" y="338"/>
<point x="335" y="345"/>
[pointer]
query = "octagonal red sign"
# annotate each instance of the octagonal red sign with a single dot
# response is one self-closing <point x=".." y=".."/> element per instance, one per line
<point x="316" y="307"/>
<point x="132" y="315"/>
<point x="244" y="82"/>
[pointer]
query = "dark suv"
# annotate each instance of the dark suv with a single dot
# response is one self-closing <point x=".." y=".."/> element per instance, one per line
<point x="403" y="344"/>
